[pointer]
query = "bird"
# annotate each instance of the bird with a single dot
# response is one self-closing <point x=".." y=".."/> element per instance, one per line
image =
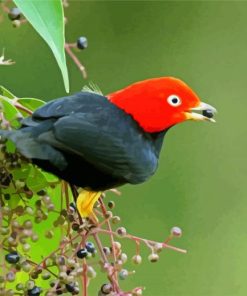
<point x="99" y="142"/>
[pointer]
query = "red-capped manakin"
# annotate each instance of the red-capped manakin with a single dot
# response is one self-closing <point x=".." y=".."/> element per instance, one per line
<point x="98" y="142"/>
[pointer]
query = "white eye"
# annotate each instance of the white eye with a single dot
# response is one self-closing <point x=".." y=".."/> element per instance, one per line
<point x="174" y="100"/>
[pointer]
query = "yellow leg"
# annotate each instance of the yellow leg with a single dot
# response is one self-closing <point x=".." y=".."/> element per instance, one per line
<point x="85" y="203"/>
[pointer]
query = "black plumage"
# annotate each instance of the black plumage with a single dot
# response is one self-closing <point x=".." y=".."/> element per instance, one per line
<point x="89" y="142"/>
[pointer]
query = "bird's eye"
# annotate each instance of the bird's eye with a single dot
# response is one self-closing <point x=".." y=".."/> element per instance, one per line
<point x="174" y="100"/>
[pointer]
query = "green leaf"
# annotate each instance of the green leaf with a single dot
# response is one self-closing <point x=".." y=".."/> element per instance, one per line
<point x="6" y="93"/>
<point x="10" y="147"/>
<point x="50" y="178"/>
<point x="47" y="18"/>
<point x="14" y="201"/>
<point x="36" y="180"/>
<point x="10" y="112"/>
<point x="30" y="103"/>
<point x="22" y="172"/>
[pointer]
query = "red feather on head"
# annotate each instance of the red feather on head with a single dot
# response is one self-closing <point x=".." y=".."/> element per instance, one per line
<point x="150" y="102"/>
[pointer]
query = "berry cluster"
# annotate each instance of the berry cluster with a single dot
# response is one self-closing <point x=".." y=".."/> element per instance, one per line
<point x="37" y="208"/>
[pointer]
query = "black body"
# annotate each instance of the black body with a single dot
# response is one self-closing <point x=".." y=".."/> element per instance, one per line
<point x="89" y="142"/>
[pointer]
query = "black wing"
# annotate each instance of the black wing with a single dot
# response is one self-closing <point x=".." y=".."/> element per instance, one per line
<point x="102" y="134"/>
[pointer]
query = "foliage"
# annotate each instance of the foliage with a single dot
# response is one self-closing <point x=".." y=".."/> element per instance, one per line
<point x="47" y="18"/>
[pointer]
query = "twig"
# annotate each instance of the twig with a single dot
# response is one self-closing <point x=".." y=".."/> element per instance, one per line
<point x="136" y="238"/>
<point x="112" y="240"/>
<point x="76" y="60"/>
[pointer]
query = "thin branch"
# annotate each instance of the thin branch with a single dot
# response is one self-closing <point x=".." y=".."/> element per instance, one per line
<point x="76" y="60"/>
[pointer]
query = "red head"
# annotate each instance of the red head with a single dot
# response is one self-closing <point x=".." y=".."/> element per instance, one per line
<point x="159" y="103"/>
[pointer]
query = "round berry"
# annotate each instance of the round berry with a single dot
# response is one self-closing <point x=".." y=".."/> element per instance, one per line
<point x="208" y="113"/>
<point x="41" y="192"/>
<point x="106" y="289"/>
<point x="90" y="247"/>
<point x="116" y="219"/>
<point x="7" y="196"/>
<point x="137" y="259"/>
<point x="19" y="287"/>
<point x="82" y="42"/>
<point x="124" y="257"/>
<point x="123" y="274"/>
<point x="14" y="14"/>
<point x="111" y="204"/>
<point x="35" y="291"/>
<point x="70" y="287"/>
<point x="82" y="253"/>
<point x="91" y="273"/>
<point x="12" y="257"/>
<point x="176" y="231"/>
<point x="10" y="276"/>
<point x="121" y="231"/>
<point x="153" y="257"/>
<point x="107" y="251"/>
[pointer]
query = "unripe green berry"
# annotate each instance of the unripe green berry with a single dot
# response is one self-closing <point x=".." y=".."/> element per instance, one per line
<point x="137" y="259"/>
<point x="46" y="276"/>
<point x="26" y="267"/>
<point x="153" y="257"/>
<point x="124" y="257"/>
<point x="30" y="284"/>
<point x="91" y="273"/>
<point x="108" y="215"/>
<point x="34" y="237"/>
<point x="117" y="246"/>
<point x="26" y="247"/>
<point x="115" y="219"/>
<point x="19" y="287"/>
<point x="49" y="234"/>
<point x="29" y="211"/>
<point x="123" y="274"/>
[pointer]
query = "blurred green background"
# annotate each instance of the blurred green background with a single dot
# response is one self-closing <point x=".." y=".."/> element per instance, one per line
<point x="201" y="182"/>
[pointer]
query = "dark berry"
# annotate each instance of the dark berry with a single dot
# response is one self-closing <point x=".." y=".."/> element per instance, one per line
<point x="35" y="291"/>
<point x="90" y="247"/>
<point x="72" y="205"/>
<point x="41" y="192"/>
<point x="12" y="257"/>
<point x="75" y="226"/>
<point x="7" y="196"/>
<point x="14" y="14"/>
<point x="82" y="42"/>
<point x="59" y="290"/>
<point x="82" y="253"/>
<point x="208" y="113"/>
<point x="70" y="287"/>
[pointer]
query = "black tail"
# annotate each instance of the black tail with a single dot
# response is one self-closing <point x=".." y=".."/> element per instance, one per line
<point x="28" y="144"/>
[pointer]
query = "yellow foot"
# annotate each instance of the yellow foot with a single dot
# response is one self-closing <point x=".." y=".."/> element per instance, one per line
<point x="85" y="203"/>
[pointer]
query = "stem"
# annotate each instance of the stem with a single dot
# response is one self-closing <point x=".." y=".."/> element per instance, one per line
<point x="84" y="279"/>
<point x="110" y="274"/>
<point x="76" y="60"/>
<point x="146" y="241"/>
<point x="114" y="275"/>
<point x="22" y="108"/>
